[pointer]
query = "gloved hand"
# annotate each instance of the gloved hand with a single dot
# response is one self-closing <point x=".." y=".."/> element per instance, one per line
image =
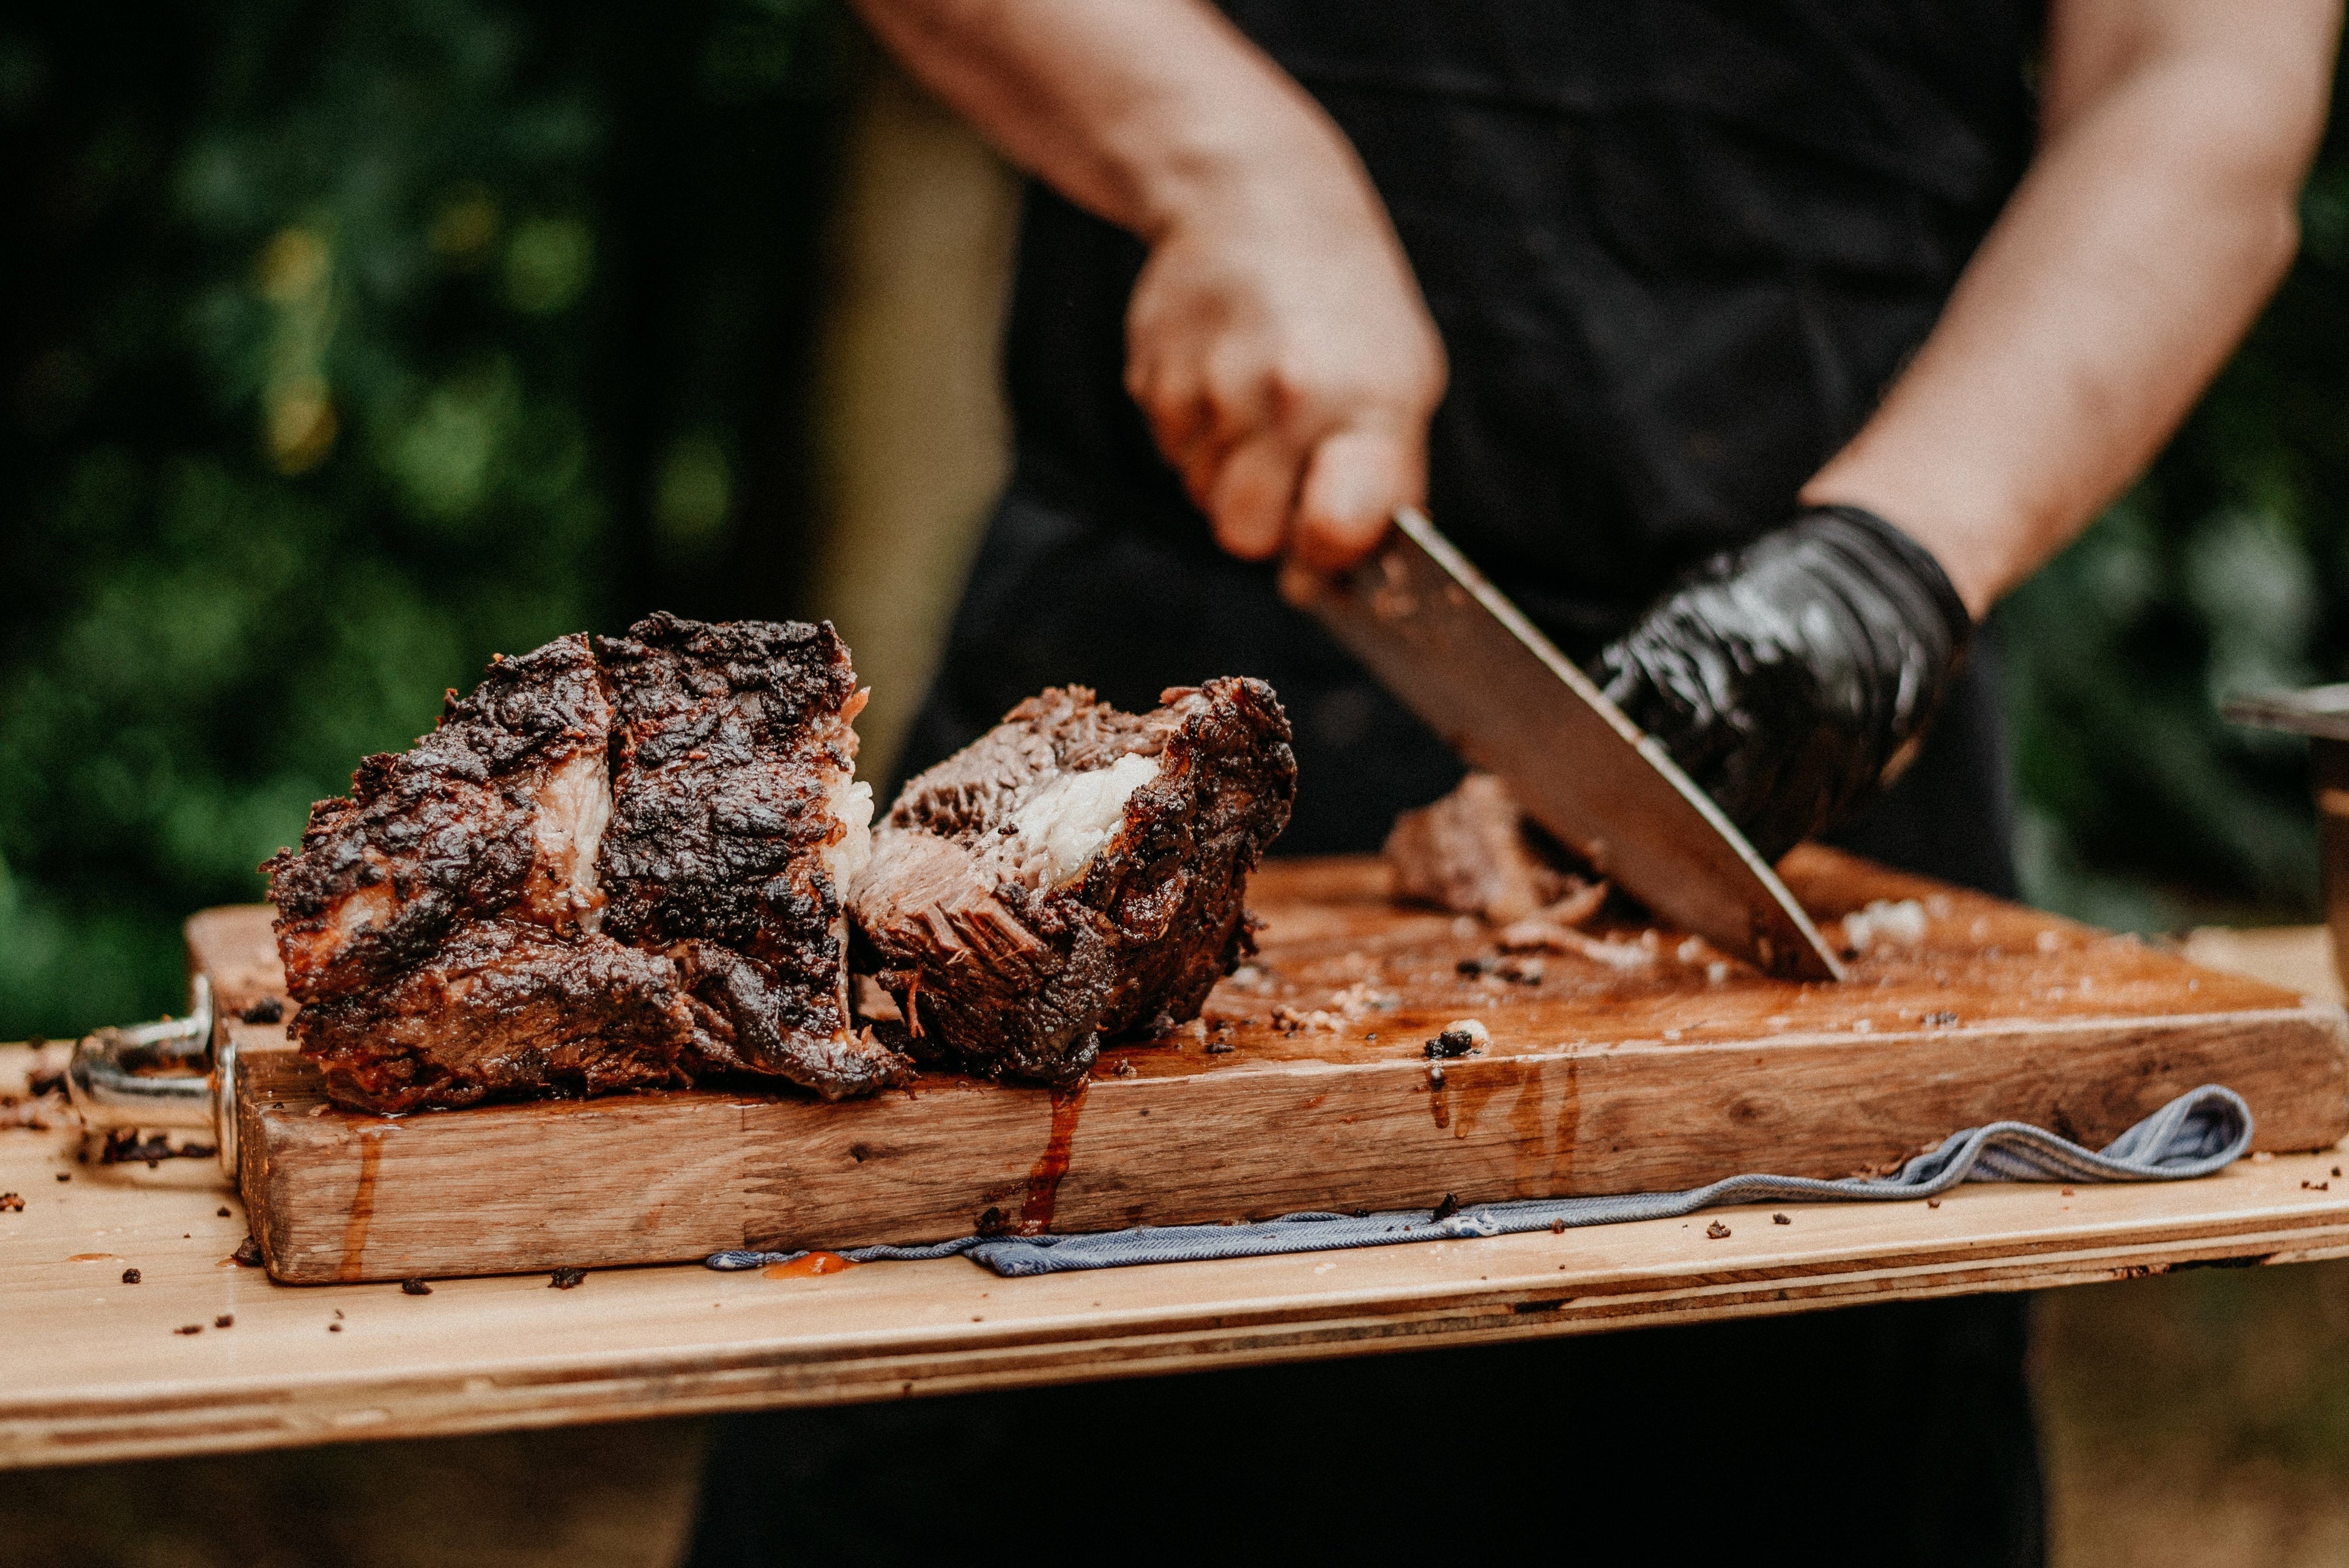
<point x="1789" y="678"/>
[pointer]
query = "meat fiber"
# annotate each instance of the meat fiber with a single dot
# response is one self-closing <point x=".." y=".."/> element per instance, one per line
<point x="451" y="927"/>
<point x="1075" y="873"/>
<point x="1474" y="853"/>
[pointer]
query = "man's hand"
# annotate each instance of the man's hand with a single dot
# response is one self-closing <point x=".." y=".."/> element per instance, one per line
<point x="1277" y="341"/>
<point x="1279" y="347"/>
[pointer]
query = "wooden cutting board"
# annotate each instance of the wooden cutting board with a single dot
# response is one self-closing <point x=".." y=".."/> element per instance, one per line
<point x="1306" y="1085"/>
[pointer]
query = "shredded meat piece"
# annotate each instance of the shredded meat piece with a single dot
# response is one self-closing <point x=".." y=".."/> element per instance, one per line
<point x="1473" y="853"/>
<point x="1074" y="873"/>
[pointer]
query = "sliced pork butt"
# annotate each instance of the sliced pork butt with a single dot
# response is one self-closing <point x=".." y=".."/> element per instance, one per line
<point x="737" y="826"/>
<point x="454" y="890"/>
<point x="448" y="927"/>
<point x="1075" y="873"/>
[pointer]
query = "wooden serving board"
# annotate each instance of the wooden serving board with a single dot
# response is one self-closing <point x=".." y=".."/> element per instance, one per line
<point x="1307" y="1086"/>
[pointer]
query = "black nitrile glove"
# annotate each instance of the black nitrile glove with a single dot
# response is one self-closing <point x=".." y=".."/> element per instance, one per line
<point x="1790" y="677"/>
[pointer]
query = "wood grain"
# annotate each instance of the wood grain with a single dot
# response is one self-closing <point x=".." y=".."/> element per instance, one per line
<point x="113" y="1378"/>
<point x="1598" y="1080"/>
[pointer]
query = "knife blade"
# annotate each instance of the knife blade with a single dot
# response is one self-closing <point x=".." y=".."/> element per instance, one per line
<point x="1458" y="653"/>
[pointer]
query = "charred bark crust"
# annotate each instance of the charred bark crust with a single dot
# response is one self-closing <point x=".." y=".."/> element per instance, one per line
<point x="451" y="926"/>
<point x="732" y="834"/>
<point x="1007" y="962"/>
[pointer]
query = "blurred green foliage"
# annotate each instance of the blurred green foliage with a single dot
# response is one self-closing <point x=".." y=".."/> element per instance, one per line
<point x="349" y="343"/>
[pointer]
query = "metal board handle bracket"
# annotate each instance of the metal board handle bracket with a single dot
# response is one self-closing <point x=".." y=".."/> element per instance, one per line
<point x="172" y="1073"/>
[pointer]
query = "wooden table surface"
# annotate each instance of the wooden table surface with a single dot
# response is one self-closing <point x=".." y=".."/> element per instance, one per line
<point x="101" y="1369"/>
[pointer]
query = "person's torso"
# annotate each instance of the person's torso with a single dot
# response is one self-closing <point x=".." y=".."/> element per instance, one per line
<point x="1676" y="250"/>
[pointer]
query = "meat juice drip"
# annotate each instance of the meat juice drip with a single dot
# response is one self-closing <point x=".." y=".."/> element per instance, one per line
<point x="1044" y="1179"/>
<point x="807" y="1268"/>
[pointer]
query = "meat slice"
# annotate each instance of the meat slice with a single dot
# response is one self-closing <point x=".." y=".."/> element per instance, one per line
<point x="736" y="827"/>
<point x="1075" y="872"/>
<point x="1474" y="853"/>
<point x="450" y="927"/>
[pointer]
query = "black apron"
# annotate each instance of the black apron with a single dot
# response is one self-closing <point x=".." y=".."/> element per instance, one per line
<point x="1676" y="250"/>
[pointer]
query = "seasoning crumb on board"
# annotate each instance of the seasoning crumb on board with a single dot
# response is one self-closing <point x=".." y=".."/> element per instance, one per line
<point x="189" y="1329"/>
<point x="1932" y="1203"/>
<point x="565" y="1279"/>
<point x="11" y="1204"/>
<point x="225" y="1320"/>
<point x="1557" y="1227"/>
<point x="1446" y="1209"/>
<point x="129" y="1276"/>
<point x="1717" y="1231"/>
<point x="223" y="1211"/>
<point x="414" y="1287"/>
<point x="65" y="1175"/>
<point x="1780" y="1220"/>
<point x="247" y="1253"/>
<point x="334" y="1329"/>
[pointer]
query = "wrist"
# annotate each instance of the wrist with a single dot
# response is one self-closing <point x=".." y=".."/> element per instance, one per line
<point x="1947" y="529"/>
<point x="1237" y="174"/>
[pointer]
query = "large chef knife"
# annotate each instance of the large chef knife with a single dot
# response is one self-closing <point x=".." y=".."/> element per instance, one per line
<point x="1467" y="662"/>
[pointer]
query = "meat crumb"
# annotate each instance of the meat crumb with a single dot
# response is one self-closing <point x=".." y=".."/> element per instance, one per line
<point x="414" y="1287"/>
<point x="1932" y="1203"/>
<point x="1446" y="1209"/>
<point x="1780" y="1220"/>
<point x="2067" y="1192"/>
<point x="189" y="1329"/>
<point x="247" y="1253"/>
<point x="1459" y="1038"/>
<point x="993" y="1222"/>
<point x="268" y="1010"/>
<point x="1557" y="1227"/>
<point x="225" y="1320"/>
<point x="11" y="1202"/>
<point x="1717" y="1231"/>
<point x="565" y="1279"/>
<point x="334" y="1329"/>
<point x="129" y="1276"/>
<point x="223" y="1211"/>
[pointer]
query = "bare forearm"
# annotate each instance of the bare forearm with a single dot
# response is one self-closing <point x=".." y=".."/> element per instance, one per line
<point x="2155" y="223"/>
<point x="1133" y="111"/>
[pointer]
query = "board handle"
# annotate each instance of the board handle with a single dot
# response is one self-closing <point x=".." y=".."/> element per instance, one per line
<point x="168" y="1074"/>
